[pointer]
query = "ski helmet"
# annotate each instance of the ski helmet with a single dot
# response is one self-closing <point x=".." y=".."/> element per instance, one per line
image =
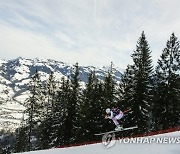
<point x="108" y="110"/>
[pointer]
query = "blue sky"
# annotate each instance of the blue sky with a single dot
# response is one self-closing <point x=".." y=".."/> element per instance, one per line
<point x="91" y="32"/>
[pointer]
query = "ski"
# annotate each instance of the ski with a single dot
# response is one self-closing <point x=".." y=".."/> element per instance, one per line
<point x="114" y="131"/>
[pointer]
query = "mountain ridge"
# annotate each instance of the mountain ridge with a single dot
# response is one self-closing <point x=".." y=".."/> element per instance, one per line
<point x="15" y="75"/>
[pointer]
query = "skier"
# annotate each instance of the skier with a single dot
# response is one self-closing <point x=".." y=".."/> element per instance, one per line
<point x="115" y="114"/>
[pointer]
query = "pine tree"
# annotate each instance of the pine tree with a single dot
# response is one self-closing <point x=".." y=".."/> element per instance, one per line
<point x="91" y="110"/>
<point x="167" y="104"/>
<point x="45" y="128"/>
<point x="69" y="99"/>
<point x="74" y="106"/>
<point x="61" y="121"/>
<point x="143" y="88"/>
<point x="109" y="96"/>
<point x="33" y="108"/>
<point x="101" y="107"/>
<point x="21" y="140"/>
<point x="126" y="96"/>
<point x="21" y="137"/>
<point x="109" y="90"/>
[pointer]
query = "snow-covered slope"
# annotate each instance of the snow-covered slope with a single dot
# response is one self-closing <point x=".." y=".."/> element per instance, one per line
<point x="129" y="148"/>
<point x="15" y="76"/>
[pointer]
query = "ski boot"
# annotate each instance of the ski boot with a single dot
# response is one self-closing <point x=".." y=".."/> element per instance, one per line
<point x="118" y="128"/>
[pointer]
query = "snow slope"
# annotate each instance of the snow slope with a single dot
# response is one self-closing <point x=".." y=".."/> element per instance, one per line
<point x="121" y="148"/>
<point x="14" y="78"/>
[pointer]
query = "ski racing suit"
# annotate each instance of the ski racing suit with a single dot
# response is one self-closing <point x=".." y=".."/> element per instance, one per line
<point x="115" y="116"/>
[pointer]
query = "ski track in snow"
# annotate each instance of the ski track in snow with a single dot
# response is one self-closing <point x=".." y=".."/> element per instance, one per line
<point x="118" y="148"/>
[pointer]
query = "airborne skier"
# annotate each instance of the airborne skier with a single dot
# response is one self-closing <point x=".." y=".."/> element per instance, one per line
<point x="115" y="114"/>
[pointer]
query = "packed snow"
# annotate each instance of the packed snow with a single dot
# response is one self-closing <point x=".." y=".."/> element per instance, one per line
<point x="122" y="148"/>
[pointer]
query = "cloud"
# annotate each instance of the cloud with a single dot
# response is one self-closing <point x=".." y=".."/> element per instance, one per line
<point x="92" y="32"/>
<point x="18" y="42"/>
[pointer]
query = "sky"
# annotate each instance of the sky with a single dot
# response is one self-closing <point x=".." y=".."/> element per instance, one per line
<point x="90" y="32"/>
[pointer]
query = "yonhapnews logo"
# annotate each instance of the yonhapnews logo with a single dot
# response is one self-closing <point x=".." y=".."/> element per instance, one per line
<point x="109" y="140"/>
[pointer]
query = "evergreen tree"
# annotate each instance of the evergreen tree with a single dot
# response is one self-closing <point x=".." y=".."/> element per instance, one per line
<point x="126" y="96"/>
<point x="110" y="88"/>
<point x="61" y="121"/>
<point x="66" y="111"/>
<point x="33" y="108"/>
<point x="167" y="104"/>
<point x="109" y="96"/>
<point x="142" y="81"/>
<point x="45" y="128"/>
<point x="104" y="125"/>
<point x="21" y="140"/>
<point x="74" y="106"/>
<point x="68" y="99"/>
<point x="91" y="110"/>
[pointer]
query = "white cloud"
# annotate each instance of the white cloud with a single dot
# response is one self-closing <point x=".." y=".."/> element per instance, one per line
<point x="17" y="42"/>
<point x="92" y="32"/>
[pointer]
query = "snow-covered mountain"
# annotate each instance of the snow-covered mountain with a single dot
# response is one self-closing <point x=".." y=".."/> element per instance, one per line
<point x="15" y="75"/>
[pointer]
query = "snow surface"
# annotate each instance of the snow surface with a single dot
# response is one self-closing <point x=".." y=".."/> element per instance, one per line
<point x="16" y="74"/>
<point x="11" y="114"/>
<point x="2" y="61"/>
<point x="118" y="148"/>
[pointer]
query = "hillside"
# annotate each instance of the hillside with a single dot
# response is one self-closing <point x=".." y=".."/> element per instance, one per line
<point x="14" y="78"/>
<point x="124" y="148"/>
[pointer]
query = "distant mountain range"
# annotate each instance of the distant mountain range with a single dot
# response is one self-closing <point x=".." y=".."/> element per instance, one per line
<point x="15" y="75"/>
